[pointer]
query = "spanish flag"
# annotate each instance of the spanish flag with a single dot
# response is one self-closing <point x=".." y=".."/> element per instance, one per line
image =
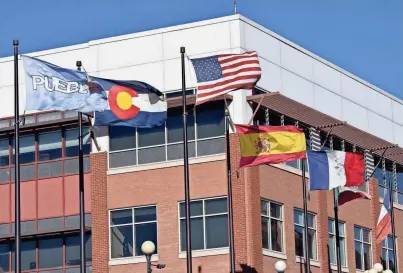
<point x="270" y="144"/>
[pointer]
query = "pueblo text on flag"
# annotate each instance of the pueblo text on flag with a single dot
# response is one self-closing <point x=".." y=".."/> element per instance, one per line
<point x="50" y="87"/>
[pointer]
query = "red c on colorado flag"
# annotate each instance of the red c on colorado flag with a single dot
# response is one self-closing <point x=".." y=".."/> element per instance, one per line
<point x="120" y="102"/>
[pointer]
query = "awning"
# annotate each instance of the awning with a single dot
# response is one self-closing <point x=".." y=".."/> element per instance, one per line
<point x="313" y="118"/>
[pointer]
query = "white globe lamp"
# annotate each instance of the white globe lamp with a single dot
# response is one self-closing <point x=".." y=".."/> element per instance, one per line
<point x="280" y="266"/>
<point x="148" y="248"/>
<point x="388" y="271"/>
<point x="378" y="267"/>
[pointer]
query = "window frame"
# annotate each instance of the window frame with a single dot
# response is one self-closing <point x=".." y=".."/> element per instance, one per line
<point x="362" y="243"/>
<point x="388" y="250"/>
<point x="34" y="167"/>
<point x="341" y="236"/>
<point x="203" y="216"/>
<point x="166" y="144"/>
<point x="269" y="217"/>
<point x="303" y="240"/>
<point x="36" y="240"/>
<point x="133" y="232"/>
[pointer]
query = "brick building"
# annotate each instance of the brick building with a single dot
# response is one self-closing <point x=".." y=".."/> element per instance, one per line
<point x="134" y="183"/>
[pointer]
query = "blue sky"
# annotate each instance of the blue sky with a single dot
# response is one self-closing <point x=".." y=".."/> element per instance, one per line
<point x="365" y="37"/>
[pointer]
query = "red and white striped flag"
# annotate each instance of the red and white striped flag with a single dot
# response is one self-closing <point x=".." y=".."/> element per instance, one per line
<point x="220" y="74"/>
<point x="384" y="225"/>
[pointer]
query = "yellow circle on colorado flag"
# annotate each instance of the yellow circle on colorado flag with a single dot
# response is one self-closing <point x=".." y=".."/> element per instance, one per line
<point x="124" y="100"/>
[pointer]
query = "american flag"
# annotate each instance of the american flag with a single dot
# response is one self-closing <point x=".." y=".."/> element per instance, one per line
<point x="220" y="74"/>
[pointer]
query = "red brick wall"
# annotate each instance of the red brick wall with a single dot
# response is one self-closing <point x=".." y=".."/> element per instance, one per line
<point x="100" y="242"/>
<point x="165" y="187"/>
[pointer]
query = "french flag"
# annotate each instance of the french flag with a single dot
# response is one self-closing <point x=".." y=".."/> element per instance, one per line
<point x="384" y="226"/>
<point x="332" y="169"/>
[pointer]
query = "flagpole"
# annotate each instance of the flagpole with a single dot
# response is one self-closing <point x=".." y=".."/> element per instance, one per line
<point x="336" y="215"/>
<point x="306" y="245"/>
<point x="81" y="185"/>
<point x="392" y="215"/>
<point x="336" y="219"/>
<point x="17" y="203"/>
<point x="229" y="196"/>
<point x="186" y="169"/>
<point x="234" y="6"/>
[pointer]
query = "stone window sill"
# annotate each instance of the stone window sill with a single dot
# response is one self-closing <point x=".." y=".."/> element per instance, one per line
<point x="207" y="252"/>
<point x="343" y="268"/>
<point x="132" y="260"/>
<point x="274" y="254"/>
<point x="312" y="262"/>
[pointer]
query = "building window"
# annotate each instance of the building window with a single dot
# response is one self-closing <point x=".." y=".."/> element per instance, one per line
<point x="50" y="146"/>
<point x="27" y="149"/>
<point x="208" y="223"/>
<point x="388" y="258"/>
<point x="4" y="152"/>
<point x="130" y="228"/>
<point x="130" y="146"/>
<point x="332" y="242"/>
<point x="272" y="225"/>
<point x="71" y="142"/>
<point x="363" y="249"/>
<point x="45" y="254"/>
<point x="299" y="234"/>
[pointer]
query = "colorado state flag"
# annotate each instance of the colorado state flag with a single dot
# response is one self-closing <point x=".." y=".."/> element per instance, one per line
<point x="130" y="103"/>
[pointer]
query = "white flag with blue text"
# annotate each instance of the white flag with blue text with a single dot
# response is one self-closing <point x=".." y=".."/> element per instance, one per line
<point x="50" y="87"/>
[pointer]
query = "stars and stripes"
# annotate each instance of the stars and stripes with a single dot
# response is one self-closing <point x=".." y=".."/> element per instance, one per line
<point x="220" y="74"/>
<point x="384" y="225"/>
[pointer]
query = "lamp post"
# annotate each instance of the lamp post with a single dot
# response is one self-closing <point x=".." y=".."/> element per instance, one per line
<point x="280" y="266"/>
<point x="148" y="249"/>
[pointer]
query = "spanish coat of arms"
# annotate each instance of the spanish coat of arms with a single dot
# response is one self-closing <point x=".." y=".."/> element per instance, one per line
<point x="262" y="145"/>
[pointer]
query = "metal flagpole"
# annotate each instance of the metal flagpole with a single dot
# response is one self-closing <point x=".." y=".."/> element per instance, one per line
<point x="17" y="202"/>
<point x="392" y="215"/>
<point x="306" y="244"/>
<point x="336" y="216"/>
<point x="186" y="169"/>
<point x="81" y="185"/>
<point x="234" y="6"/>
<point x="336" y="220"/>
<point x="229" y="195"/>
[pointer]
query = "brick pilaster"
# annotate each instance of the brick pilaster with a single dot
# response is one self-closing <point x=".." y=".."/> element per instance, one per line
<point x="375" y="209"/>
<point x="99" y="207"/>
<point x="322" y="231"/>
<point x="246" y="212"/>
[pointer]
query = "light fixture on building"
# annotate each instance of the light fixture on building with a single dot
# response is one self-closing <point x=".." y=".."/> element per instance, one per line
<point x="280" y="266"/>
<point x="148" y="249"/>
<point x="378" y="268"/>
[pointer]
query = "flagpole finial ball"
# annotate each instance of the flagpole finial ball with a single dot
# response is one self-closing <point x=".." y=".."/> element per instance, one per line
<point x="16" y="42"/>
<point x="182" y="49"/>
<point x="79" y="64"/>
<point x="378" y="267"/>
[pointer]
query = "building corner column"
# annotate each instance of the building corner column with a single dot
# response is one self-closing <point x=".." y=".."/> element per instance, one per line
<point x="322" y="230"/>
<point x="99" y="207"/>
<point x="246" y="213"/>
<point x="375" y="209"/>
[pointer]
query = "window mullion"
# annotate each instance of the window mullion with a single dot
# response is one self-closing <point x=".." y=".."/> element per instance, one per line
<point x="133" y="233"/>
<point x="204" y="225"/>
